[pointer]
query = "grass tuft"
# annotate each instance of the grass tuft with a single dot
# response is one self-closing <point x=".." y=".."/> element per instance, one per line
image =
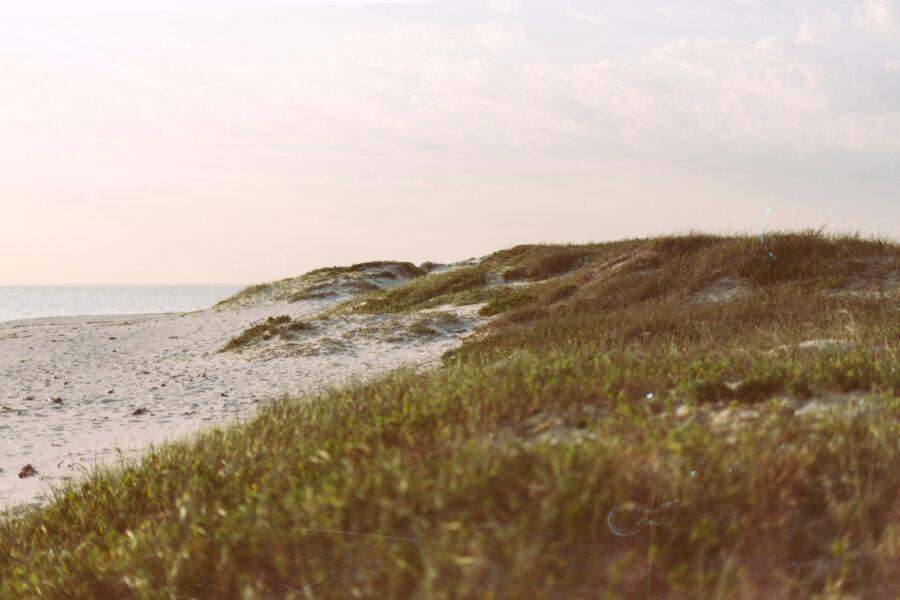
<point x="281" y="326"/>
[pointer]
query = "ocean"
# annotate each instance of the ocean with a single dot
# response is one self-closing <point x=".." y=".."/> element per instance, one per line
<point x="30" y="302"/>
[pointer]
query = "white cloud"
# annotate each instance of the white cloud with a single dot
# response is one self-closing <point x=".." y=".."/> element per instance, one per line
<point x="876" y="17"/>
<point x="702" y="94"/>
<point x="506" y="7"/>
<point x="108" y="7"/>
<point x="495" y="36"/>
<point x="773" y="43"/>
<point x="450" y="75"/>
<point x="821" y="30"/>
<point x="419" y="38"/>
<point x="695" y="94"/>
<point x="669" y="14"/>
<point x="597" y="18"/>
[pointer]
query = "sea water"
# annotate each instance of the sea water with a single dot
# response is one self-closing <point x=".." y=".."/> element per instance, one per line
<point x="30" y="302"/>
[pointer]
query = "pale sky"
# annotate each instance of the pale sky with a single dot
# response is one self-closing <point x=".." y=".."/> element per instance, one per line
<point x="227" y="141"/>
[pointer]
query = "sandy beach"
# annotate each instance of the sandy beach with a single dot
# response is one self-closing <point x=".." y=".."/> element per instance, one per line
<point x="82" y="391"/>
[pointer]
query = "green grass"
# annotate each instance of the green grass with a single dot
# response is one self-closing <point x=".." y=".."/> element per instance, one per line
<point x="281" y="326"/>
<point x="420" y="293"/>
<point x="496" y="475"/>
<point x="504" y="302"/>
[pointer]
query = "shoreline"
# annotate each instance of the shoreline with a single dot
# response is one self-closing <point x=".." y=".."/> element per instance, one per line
<point x="78" y="319"/>
<point x="82" y="391"/>
<point x="19" y="303"/>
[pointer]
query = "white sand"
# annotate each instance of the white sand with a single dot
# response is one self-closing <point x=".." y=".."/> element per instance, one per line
<point x="721" y="290"/>
<point x="105" y="368"/>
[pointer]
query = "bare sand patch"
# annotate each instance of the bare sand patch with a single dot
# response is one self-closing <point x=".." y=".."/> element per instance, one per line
<point x="727" y="418"/>
<point x="876" y="277"/>
<point x="720" y="290"/>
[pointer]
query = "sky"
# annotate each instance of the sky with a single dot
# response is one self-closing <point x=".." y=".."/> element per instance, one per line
<point x="205" y="141"/>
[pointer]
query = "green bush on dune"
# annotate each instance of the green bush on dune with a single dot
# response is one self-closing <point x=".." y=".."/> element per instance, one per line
<point x="588" y="444"/>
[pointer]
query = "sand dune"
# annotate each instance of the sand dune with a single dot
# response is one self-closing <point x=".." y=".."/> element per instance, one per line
<point x="80" y="391"/>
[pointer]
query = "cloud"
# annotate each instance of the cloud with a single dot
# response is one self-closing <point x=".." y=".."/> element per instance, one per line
<point x="697" y="95"/>
<point x="669" y="14"/>
<point x="495" y="36"/>
<point x="596" y="18"/>
<point x="116" y="7"/>
<point x="419" y="37"/>
<point x="820" y="31"/>
<point x="773" y="43"/>
<point x="876" y="17"/>
<point x="506" y="7"/>
<point x="691" y="96"/>
<point x="702" y="94"/>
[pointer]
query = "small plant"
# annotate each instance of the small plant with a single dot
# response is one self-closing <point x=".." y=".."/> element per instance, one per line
<point x="421" y="328"/>
<point x="265" y="331"/>
<point x="426" y="326"/>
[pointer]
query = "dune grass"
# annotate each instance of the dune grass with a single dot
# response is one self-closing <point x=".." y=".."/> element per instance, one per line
<point x="312" y="284"/>
<point x="538" y="262"/>
<point x="417" y="294"/>
<point x="282" y="326"/>
<point x="505" y="301"/>
<point x="470" y="284"/>
<point x="572" y="450"/>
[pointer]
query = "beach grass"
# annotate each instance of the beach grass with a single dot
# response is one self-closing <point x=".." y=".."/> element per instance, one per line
<point x="282" y="326"/>
<point x="419" y="293"/>
<point x="316" y="283"/>
<point x="618" y="431"/>
<point x="473" y="283"/>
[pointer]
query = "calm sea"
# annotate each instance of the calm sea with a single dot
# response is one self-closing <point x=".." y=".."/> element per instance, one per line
<point x="28" y="302"/>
